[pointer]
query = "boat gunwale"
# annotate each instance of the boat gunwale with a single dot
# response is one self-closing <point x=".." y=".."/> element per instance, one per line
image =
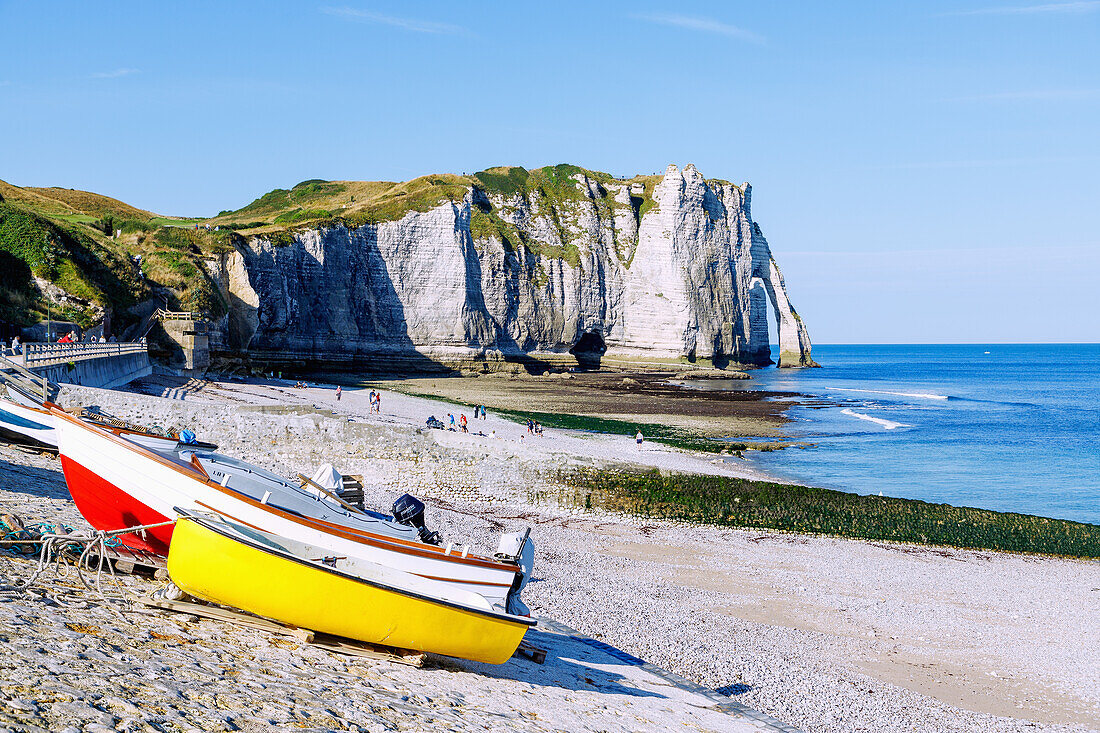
<point x="349" y="533"/>
<point x="184" y="515"/>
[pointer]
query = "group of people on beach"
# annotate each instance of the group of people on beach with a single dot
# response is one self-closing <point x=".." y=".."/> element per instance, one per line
<point x="534" y="427"/>
<point x="463" y="424"/>
<point x="375" y="402"/>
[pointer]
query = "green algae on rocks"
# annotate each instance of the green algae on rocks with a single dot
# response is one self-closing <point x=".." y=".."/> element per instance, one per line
<point x="737" y="502"/>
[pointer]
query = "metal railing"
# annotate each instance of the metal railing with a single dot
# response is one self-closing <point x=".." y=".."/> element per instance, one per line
<point x="15" y="376"/>
<point x="36" y="354"/>
<point x="174" y="315"/>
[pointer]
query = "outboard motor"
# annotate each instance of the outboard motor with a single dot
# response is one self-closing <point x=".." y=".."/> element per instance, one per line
<point x="409" y="510"/>
<point x="520" y="549"/>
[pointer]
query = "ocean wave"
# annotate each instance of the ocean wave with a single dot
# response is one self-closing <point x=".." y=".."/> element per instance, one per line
<point x="923" y="395"/>
<point x="886" y="424"/>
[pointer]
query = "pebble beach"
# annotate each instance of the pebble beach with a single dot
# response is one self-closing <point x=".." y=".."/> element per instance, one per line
<point x="765" y="630"/>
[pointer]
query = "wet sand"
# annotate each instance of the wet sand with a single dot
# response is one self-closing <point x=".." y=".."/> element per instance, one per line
<point x="643" y="397"/>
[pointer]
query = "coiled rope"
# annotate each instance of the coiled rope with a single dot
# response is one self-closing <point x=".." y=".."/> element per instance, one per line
<point x="56" y="546"/>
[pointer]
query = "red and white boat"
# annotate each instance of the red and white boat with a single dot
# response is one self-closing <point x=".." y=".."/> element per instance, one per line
<point x="118" y="483"/>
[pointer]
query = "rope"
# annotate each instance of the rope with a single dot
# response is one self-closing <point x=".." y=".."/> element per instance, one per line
<point x="57" y="545"/>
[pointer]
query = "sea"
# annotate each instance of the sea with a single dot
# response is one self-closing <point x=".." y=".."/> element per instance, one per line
<point x="1008" y="427"/>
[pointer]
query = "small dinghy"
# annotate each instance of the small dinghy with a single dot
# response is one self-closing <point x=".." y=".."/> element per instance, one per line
<point x="298" y="584"/>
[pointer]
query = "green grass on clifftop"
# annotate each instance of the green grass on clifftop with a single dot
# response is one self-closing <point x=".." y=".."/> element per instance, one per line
<point x="736" y="502"/>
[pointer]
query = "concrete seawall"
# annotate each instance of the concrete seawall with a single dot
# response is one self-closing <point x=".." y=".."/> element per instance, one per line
<point x="106" y="372"/>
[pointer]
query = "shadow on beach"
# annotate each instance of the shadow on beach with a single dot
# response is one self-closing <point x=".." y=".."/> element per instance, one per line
<point x="570" y="664"/>
<point x="47" y="483"/>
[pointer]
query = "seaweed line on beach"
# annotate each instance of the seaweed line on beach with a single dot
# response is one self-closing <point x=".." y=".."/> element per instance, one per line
<point x="747" y="503"/>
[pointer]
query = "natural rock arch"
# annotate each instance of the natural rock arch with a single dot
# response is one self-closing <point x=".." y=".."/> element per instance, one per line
<point x="589" y="349"/>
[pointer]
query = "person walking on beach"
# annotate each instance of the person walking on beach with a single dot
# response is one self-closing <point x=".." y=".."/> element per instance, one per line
<point x="484" y="415"/>
<point x="462" y="423"/>
<point x="530" y="426"/>
<point x="339" y="391"/>
<point x="378" y="403"/>
<point x="371" y="400"/>
<point x="638" y="438"/>
<point x="452" y="418"/>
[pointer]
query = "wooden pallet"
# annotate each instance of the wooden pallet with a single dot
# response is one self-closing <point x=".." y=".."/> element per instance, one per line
<point x="304" y="636"/>
<point x="530" y="651"/>
<point x="128" y="561"/>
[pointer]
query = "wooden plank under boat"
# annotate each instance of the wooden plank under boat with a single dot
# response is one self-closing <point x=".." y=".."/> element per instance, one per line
<point x="276" y="578"/>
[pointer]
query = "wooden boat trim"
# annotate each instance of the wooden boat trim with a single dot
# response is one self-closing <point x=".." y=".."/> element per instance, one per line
<point x="349" y="533"/>
<point x="355" y="579"/>
<point x="428" y="577"/>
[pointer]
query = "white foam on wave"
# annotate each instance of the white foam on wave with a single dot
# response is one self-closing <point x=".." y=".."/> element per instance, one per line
<point x="886" y="424"/>
<point x="924" y="395"/>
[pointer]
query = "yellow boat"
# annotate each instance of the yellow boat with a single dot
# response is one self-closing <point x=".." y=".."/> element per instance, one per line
<point x="294" y="583"/>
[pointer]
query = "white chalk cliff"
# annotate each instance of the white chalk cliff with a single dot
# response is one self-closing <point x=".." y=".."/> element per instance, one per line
<point x="677" y="270"/>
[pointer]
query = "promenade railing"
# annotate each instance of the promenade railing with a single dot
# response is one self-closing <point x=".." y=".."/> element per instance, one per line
<point x="36" y="354"/>
<point x="33" y="387"/>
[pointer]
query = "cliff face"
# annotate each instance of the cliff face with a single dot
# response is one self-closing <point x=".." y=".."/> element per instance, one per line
<point x="667" y="268"/>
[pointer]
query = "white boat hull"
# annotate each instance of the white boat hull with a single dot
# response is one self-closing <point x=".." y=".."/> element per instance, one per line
<point x="117" y="482"/>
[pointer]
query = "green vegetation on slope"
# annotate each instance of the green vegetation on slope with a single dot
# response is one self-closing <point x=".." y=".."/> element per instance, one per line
<point x="280" y="201"/>
<point x="318" y="203"/>
<point x="554" y="192"/>
<point x="68" y="238"/>
<point x="34" y="246"/>
<point x="172" y="256"/>
<point x="736" y="502"/>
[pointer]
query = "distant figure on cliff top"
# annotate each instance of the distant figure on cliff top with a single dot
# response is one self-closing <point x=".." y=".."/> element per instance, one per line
<point x="339" y="391"/>
<point x="638" y="438"/>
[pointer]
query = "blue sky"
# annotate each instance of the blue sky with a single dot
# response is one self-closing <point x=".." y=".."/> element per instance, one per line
<point x="924" y="171"/>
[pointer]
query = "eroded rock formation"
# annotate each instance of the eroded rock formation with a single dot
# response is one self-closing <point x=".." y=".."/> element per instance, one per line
<point x="669" y="269"/>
